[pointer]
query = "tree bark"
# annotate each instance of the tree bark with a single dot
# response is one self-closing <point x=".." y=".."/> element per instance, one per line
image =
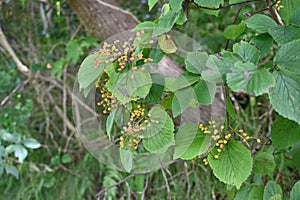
<point x="103" y="19"/>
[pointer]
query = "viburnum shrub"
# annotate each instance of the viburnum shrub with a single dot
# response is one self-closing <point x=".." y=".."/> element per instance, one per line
<point x="143" y="111"/>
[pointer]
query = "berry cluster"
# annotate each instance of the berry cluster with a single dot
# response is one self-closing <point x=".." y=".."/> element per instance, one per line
<point x="121" y="52"/>
<point x="107" y="100"/>
<point x="245" y="137"/>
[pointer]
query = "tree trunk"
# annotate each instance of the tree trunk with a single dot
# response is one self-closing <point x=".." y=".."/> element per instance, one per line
<point x="103" y="19"/>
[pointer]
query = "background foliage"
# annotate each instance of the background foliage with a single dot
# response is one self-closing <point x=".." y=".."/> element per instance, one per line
<point x="40" y="157"/>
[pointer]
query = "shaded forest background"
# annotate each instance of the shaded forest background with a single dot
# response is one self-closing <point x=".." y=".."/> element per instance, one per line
<point x="51" y="38"/>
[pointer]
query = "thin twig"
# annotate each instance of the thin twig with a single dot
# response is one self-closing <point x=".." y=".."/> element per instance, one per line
<point x="118" y="183"/>
<point x="167" y="183"/>
<point x="21" y="67"/>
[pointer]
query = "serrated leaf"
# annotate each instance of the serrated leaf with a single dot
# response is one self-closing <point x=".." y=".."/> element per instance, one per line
<point x="31" y="143"/>
<point x="21" y="153"/>
<point x="295" y="192"/>
<point x="126" y="159"/>
<point x="151" y="4"/>
<point x="233" y="31"/>
<point x="283" y="35"/>
<point x="234" y="164"/>
<point x="10" y="169"/>
<point x="156" y="90"/>
<point x="132" y="84"/>
<point x="288" y="57"/>
<point x="186" y="79"/>
<point x="260" y="23"/>
<point x="209" y="3"/>
<point x="147" y="25"/>
<point x="159" y="136"/>
<point x="180" y="101"/>
<point x="264" y="43"/>
<point x="89" y="72"/>
<point x="272" y="189"/>
<point x="284" y="133"/>
<point x="250" y="192"/>
<point x="195" y="61"/>
<point x="217" y="68"/>
<point x="289" y="9"/>
<point x="285" y="96"/>
<point x="109" y="123"/>
<point x="247" y="52"/>
<point x="205" y="92"/>
<point x="190" y="142"/>
<point x="263" y="163"/>
<point x="247" y="77"/>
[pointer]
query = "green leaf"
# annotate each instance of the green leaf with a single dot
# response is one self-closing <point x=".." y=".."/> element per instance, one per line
<point x="260" y="23"/>
<point x="185" y="79"/>
<point x="284" y="133"/>
<point x="74" y="51"/>
<point x="205" y="92"/>
<point x="233" y="31"/>
<point x="20" y="152"/>
<point x="89" y="72"/>
<point x="190" y="142"/>
<point x="272" y="189"/>
<point x="165" y="23"/>
<point x="295" y="192"/>
<point x="167" y="44"/>
<point x="31" y="143"/>
<point x="159" y="136"/>
<point x="166" y="102"/>
<point x="180" y="101"/>
<point x="250" y="192"/>
<point x="66" y="158"/>
<point x="247" y="52"/>
<point x="263" y="163"/>
<point x="147" y="25"/>
<point x="247" y="77"/>
<point x="195" y="61"/>
<point x="126" y="159"/>
<point x="182" y="18"/>
<point x="283" y="35"/>
<point x="109" y="123"/>
<point x="295" y="18"/>
<point x="288" y="56"/>
<point x="229" y="108"/>
<point x="6" y="136"/>
<point x="132" y="84"/>
<point x="156" y="90"/>
<point x="217" y="68"/>
<point x="176" y="5"/>
<point x="151" y="3"/>
<point x="10" y="169"/>
<point x="289" y="9"/>
<point x="209" y="3"/>
<point x="285" y="96"/>
<point x="234" y="164"/>
<point x="264" y="43"/>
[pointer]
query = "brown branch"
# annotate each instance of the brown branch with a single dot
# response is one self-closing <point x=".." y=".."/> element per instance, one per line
<point x="223" y="6"/>
<point x="21" y="67"/>
<point x="273" y="12"/>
